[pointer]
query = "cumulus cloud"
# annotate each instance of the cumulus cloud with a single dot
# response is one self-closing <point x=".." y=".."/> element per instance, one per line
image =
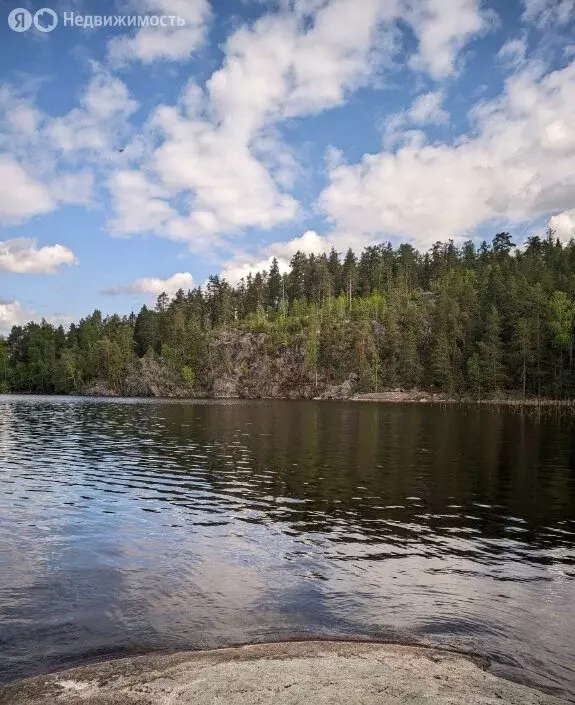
<point x="548" y="13"/>
<point x="22" y="256"/>
<point x="215" y="145"/>
<point x="154" y="285"/>
<point x="515" y="166"/>
<point x="514" y="52"/>
<point x="138" y="204"/>
<point x="405" y="127"/>
<point x="236" y="270"/>
<point x="99" y="120"/>
<point x="22" y="119"/>
<point x="442" y="29"/>
<point x="11" y="314"/>
<point x="21" y="196"/>
<point x="427" y="110"/>
<point x="75" y="188"/>
<point x="309" y="243"/>
<point x="231" y="189"/>
<point x="39" y="166"/>
<point x="214" y="165"/>
<point x="171" y="42"/>
<point x="563" y="225"/>
<point x="29" y="192"/>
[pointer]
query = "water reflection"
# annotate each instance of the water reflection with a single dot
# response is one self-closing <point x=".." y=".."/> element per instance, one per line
<point x="157" y="525"/>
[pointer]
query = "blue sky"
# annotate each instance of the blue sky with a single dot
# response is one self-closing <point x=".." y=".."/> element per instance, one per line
<point x="136" y="159"/>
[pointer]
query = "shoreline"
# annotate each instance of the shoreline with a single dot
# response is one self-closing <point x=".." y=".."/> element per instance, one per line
<point x="294" y="672"/>
<point x="386" y="397"/>
<point x="437" y="399"/>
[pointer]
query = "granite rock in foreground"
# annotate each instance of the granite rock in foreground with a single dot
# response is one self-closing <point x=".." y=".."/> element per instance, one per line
<point x="294" y="673"/>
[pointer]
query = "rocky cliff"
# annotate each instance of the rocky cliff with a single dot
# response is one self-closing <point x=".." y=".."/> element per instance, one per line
<point x="237" y="364"/>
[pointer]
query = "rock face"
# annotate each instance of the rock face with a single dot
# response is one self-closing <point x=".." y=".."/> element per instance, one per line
<point x="247" y="365"/>
<point x="225" y="388"/>
<point x="150" y="377"/>
<point x="146" y="377"/>
<point x="340" y="391"/>
<point x="291" y="673"/>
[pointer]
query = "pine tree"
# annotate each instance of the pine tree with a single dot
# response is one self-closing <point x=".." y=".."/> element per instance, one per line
<point x="454" y="319"/>
<point x="297" y="276"/>
<point x="524" y="350"/>
<point x="334" y="267"/>
<point x="474" y="374"/>
<point x="491" y="353"/>
<point x="349" y="275"/>
<point x="274" y="286"/>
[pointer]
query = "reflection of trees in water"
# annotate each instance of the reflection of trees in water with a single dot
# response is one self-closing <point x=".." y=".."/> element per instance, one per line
<point x="504" y="476"/>
<point x="372" y="468"/>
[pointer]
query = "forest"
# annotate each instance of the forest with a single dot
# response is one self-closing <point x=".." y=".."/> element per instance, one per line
<point x="462" y="320"/>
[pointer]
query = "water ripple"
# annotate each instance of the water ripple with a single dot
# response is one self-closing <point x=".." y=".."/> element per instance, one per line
<point x="142" y="525"/>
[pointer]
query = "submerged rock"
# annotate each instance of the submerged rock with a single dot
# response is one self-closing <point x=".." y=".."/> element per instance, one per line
<point x="293" y="672"/>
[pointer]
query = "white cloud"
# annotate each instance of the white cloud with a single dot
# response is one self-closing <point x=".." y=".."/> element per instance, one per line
<point x="216" y="146"/>
<point x="98" y="123"/>
<point x="169" y="42"/>
<point x="404" y="127"/>
<point x="514" y="52"/>
<point x="23" y="119"/>
<point x="517" y="165"/>
<point x="309" y="243"/>
<point x="137" y="203"/>
<point x="348" y="42"/>
<point x="154" y="285"/>
<point x="21" y="196"/>
<point x="39" y="167"/>
<point x="231" y="189"/>
<point x="215" y="157"/>
<point x="277" y="69"/>
<point x="235" y="270"/>
<point x="22" y="256"/>
<point x="548" y="13"/>
<point x="11" y="314"/>
<point x="427" y="110"/>
<point x="74" y="188"/>
<point x="29" y="192"/>
<point x="564" y="225"/>
<point x="443" y="28"/>
<point x="214" y="165"/>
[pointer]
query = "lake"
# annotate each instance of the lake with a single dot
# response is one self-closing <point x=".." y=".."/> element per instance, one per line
<point x="130" y="526"/>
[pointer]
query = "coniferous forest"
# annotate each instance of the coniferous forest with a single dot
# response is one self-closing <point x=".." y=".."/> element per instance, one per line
<point x="473" y="321"/>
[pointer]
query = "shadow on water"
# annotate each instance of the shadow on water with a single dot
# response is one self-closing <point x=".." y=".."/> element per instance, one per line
<point x="129" y="527"/>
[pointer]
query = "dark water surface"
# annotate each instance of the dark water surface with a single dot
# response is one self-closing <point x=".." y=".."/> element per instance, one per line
<point x="134" y="526"/>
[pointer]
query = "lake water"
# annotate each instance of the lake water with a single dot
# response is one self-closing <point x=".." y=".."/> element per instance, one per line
<point x="131" y="526"/>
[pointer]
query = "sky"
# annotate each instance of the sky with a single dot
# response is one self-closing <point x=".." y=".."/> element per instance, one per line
<point x="209" y="136"/>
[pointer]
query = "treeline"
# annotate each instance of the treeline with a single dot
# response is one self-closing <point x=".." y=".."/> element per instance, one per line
<point x="460" y="320"/>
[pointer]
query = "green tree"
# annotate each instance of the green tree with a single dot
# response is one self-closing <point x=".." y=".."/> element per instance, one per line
<point x="474" y="374"/>
<point x="4" y="366"/>
<point x="560" y="318"/>
<point x="274" y="286"/>
<point x="524" y="349"/>
<point x="491" y="353"/>
<point x="349" y="275"/>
